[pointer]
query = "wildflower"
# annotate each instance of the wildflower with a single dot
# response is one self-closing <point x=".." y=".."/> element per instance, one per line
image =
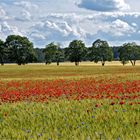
<point x="130" y="103"/>
<point x="39" y="135"/>
<point x="28" y="131"/>
<point x="5" y="114"/>
<point x="124" y="110"/>
<point x="122" y="102"/>
<point x="83" y="123"/>
<point x="97" y="105"/>
<point x="112" y="103"/>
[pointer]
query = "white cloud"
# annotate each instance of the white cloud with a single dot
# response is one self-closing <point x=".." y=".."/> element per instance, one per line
<point x="66" y="27"/>
<point x="104" y="5"/>
<point x="3" y="14"/>
<point x="26" y="4"/>
<point x="45" y="21"/>
<point x="134" y="24"/>
<point x="6" y="29"/>
<point x="57" y="28"/>
<point x="120" y="28"/>
<point x="37" y="36"/>
<point x="24" y="16"/>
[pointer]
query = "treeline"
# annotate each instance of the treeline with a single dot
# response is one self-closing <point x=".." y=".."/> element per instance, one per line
<point x="18" y="49"/>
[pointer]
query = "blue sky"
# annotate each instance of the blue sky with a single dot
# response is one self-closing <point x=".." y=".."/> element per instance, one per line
<point x="45" y="21"/>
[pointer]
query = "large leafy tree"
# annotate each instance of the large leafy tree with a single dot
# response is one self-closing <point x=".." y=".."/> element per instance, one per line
<point x="76" y="51"/>
<point x="53" y="53"/>
<point x="129" y="52"/>
<point x="100" y="51"/>
<point x="2" y="52"/>
<point x="20" y="49"/>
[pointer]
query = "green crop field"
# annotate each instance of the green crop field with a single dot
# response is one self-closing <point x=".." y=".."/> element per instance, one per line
<point x="67" y="102"/>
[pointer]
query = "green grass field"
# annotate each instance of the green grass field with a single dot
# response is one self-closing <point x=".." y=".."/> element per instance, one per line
<point x="62" y="119"/>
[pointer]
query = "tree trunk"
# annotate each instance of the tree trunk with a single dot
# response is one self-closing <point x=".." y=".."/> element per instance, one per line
<point x="2" y="62"/>
<point x="76" y="63"/>
<point x="103" y="63"/>
<point x="58" y="63"/>
<point x="133" y="62"/>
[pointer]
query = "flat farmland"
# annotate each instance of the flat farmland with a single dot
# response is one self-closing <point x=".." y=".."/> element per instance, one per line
<point x="67" y="71"/>
<point x="67" y="102"/>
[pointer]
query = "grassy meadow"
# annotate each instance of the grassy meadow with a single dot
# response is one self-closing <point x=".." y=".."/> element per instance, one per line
<point x="88" y="102"/>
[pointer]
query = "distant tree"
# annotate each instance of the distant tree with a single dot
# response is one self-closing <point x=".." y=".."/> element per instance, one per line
<point x="115" y="52"/>
<point x="53" y="53"/>
<point x="40" y="55"/>
<point x="129" y="52"/>
<point x="59" y="56"/>
<point x="76" y="51"/>
<point x="100" y="51"/>
<point x="2" y="52"/>
<point x="20" y="49"/>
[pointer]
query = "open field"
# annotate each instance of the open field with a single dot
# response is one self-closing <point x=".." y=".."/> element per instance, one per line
<point x="89" y="102"/>
<point x="67" y="71"/>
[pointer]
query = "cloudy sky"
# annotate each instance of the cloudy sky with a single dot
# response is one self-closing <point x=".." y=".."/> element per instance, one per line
<point x="45" y="21"/>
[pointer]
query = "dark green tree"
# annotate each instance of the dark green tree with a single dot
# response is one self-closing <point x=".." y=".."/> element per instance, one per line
<point x="20" y="49"/>
<point x="39" y="55"/>
<point x="129" y="52"/>
<point x="76" y="51"/>
<point x="2" y="52"/>
<point x="53" y="53"/>
<point x="100" y="51"/>
<point x="59" y="56"/>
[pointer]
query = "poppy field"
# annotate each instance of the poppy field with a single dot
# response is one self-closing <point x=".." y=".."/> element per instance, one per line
<point x="69" y="103"/>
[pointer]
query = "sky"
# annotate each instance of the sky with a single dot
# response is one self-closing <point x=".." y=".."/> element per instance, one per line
<point x="45" y="21"/>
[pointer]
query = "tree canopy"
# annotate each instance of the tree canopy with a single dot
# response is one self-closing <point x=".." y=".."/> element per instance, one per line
<point x="100" y="51"/>
<point x="20" y="49"/>
<point x="2" y="52"/>
<point x="129" y="52"/>
<point x="53" y="53"/>
<point x="76" y="51"/>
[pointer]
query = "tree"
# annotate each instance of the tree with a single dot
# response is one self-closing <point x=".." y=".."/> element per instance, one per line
<point x="2" y="52"/>
<point x="76" y="51"/>
<point x="59" y="56"/>
<point x="40" y="55"/>
<point x="100" y="51"/>
<point x="129" y="52"/>
<point x="20" y="49"/>
<point x="53" y="53"/>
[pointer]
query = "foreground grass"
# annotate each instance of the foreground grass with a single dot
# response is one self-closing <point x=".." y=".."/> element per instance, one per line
<point x="69" y="120"/>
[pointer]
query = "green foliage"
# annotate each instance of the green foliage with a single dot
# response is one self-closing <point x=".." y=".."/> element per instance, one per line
<point x="100" y="51"/>
<point x="53" y="53"/>
<point x="129" y="52"/>
<point x="2" y="52"/>
<point x="39" y="55"/>
<point x="69" y="120"/>
<point x="76" y="51"/>
<point x="20" y="49"/>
